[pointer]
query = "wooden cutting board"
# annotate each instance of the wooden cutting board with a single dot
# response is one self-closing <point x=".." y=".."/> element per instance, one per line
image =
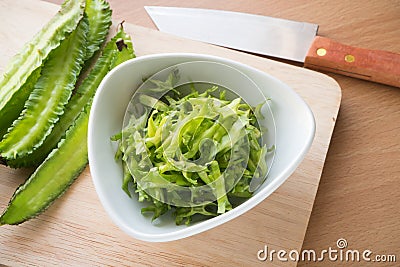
<point x="77" y="231"/>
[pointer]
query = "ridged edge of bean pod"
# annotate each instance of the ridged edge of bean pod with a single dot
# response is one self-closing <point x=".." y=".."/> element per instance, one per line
<point x="99" y="15"/>
<point x="111" y="54"/>
<point x="34" y="53"/>
<point x="13" y="109"/>
<point x="23" y="204"/>
<point x="49" y="97"/>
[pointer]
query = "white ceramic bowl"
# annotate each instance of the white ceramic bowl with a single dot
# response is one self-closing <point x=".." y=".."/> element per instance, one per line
<point x="294" y="122"/>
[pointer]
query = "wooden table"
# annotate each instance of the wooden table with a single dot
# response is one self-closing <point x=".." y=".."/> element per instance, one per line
<point x="359" y="192"/>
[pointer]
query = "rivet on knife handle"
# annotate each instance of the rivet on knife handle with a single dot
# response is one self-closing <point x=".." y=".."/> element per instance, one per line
<point x="373" y="65"/>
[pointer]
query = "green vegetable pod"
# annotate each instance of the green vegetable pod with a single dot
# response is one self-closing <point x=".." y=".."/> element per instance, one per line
<point x="65" y="162"/>
<point x="49" y="96"/>
<point x="24" y="67"/>
<point x="52" y="177"/>
<point x="99" y="16"/>
<point x="14" y="107"/>
<point x="112" y="54"/>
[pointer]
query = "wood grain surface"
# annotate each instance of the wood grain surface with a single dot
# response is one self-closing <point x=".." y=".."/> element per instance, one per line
<point x="358" y="194"/>
<point x="78" y="221"/>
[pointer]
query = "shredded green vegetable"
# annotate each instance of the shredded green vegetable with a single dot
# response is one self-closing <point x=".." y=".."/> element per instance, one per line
<point x="208" y="146"/>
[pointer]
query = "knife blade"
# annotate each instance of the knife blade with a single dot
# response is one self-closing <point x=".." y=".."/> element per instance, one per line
<point x="281" y="38"/>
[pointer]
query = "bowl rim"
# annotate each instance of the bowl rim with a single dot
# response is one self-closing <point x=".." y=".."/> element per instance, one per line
<point x="187" y="231"/>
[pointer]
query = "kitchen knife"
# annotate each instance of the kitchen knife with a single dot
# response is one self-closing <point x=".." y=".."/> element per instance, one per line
<point x="292" y="40"/>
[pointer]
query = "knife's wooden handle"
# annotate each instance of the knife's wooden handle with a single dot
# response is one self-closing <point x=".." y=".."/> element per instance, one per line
<point x="374" y="65"/>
